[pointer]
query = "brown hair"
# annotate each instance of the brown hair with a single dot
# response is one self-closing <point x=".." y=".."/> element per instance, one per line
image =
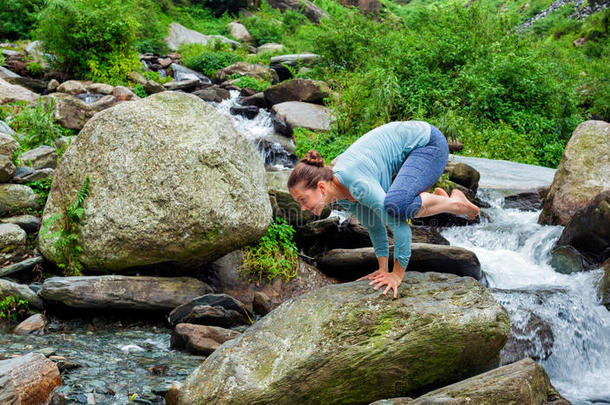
<point x="310" y="171"/>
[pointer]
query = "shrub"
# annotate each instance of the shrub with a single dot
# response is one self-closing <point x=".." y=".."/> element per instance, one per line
<point x="139" y="91"/>
<point x="17" y="18"/>
<point x="42" y="189"/>
<point x="275" y="254"/>
<point x="256" y="84"/>
<point x="94" y="39"/>
<point x="13" y="309"/>
<point x="207" y="60"/>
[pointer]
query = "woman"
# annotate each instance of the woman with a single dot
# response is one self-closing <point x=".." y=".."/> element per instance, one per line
<point x="416" y="153"/>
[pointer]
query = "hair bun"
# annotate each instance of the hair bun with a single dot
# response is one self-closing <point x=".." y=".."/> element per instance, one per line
<point x="313" y="158"/>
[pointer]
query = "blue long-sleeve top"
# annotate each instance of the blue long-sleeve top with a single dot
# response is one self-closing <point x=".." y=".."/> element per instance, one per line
<point x="366" y="168"/>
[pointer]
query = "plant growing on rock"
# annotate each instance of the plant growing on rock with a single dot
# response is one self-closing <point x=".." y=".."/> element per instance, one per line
<point x="275" y="254"/>
<point x="41" y="188"/>
<point x="12" y="309"/>
<point x="68" y="249"/>
<point x="255" y="84"/>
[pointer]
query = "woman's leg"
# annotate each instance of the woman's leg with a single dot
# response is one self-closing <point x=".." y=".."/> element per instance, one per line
<point x="457" y="204"/>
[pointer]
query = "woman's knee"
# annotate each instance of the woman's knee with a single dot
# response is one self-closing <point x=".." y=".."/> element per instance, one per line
<point x="398" y="204"/>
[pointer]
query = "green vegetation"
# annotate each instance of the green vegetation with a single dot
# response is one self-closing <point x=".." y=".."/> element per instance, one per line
<point x="208" y="59"/>
<point x="34" y="122"/>
<point x="17" y="18"/>
<point x="13" y="309"/>
<point x="66" y="243"/>
<point x="275" y="254"/>
<point x="42" y="189"/>
<point x="251" y="82"/>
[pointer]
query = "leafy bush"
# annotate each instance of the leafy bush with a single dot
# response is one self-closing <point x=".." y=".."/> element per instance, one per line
<point x="13" y="309"/>
<point x="139" y="91"/>
<point x="34" y="122"/>
<point x="42" y="189"/>
<point x="35" y="69"/>
<point x="17" y="18"/>
<point x="275" y="254"/>
<point x="256" y="84"/>
<point x="94" y="39"/>
<point x="152" y="75"/>
<point x="207" y="60"/>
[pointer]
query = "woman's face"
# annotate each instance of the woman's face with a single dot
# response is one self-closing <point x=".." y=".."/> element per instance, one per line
<point x="309" y="199"/>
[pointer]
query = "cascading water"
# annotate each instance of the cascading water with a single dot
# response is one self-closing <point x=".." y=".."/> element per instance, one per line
<point x="514" y="252"/>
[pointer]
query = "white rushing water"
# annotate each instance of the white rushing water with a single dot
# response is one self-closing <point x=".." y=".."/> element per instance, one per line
<point x="514" y="252"/>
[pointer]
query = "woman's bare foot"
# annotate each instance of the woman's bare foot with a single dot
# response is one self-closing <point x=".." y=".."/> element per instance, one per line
<point x="464" y="205"/>
<point x="441" y="192"/>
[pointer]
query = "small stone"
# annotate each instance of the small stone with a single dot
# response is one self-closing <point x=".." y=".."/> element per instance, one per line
<point x="12" y="241"/>
<point x="29" y="223"/>
<point x="122" y="93"/>
<point x="184" y="85"/>
<point x="7" y="169"/>
<point x="34" y="175"/>
<point x="72" y="87"/>
<point x="100" y="88"/>
<point x="52" y="86"/>
<point x="261" y="304"/>
<point x="47" y="351"/>
<point x="34" y="325"/>
<point x="165" y="62"/>
<point x="42" y="157"/>
<point x="172" y="394"/>
<point x="8" y="144"/>
<point x="249" y="111"/>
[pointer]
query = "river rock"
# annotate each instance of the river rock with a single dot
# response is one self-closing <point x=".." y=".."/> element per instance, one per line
<point x="269" y="47"/>
<point x="29" y="223"/>
<point x="73" y="87"/>
<point x="9" y="93"/>
<point x="34" y="325"/>
<point x="42" y="157"/>
<point x="7" y="74"/>
<point x="12" y="241"/>
<point x="350" y="264"/>
<point x="239" y="32"/>
<point x="194" y="188"/>
<point x="589" y="231"/>
<point x="257" y="99"/>
<point x="213" y="93"/>
<point x="212" y="309"/>
<point x="283" y="204"/>
<point x="69" y="111"/>
<point x="15" y="198"/>
<point x="25" y="174"/>
<point x="225" y="276"/>
<point x="183" y="85"/>
<point x="464" y="175"/>
<point x="123" y="292"/>
<point x="8" y="144"/>
<point x="28" y="380"/>
<point x="294" y="59"/>
<point x="347" y="343"/>
<point x="303" y="115"/>
<point x="524" y="382"/>
<point x="526" y="201"/>
<point x="604" y="285"/>
<point x="297" y="90"/>
<point x="249" y="111"/>
<point x="179" y="35"/>
<point x="183" y="73"/>
<point x="259" y="72"/>
<point x="99" y="88"/>
<point x="583" y="173"/>
<point x="200" y="339"/>
<point x="305" y="7"/>
<point x="7" y="169"/>
<point x="6" y="129"/>
<point x="529" y="336"/>
<point x="122" y="93"/>
<point x="19" y="291"/>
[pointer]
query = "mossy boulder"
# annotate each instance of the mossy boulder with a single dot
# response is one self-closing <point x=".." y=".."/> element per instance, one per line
<point x="583" y="173"/>
<point x="349" y="344"/>
<point x="170" y="180"/>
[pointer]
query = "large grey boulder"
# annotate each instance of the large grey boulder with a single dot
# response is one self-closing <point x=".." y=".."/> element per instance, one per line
<point x="69" y="111"/>
<point x="19" y="291"/>
<point x="270" y="47"/>
<point x="294" y="59"/>
<point x="259" y="72"/>
<point x="179" y="35"/>
<point x="524" y="383"/>
<point x="10" y="93"/>
<point x="123" y="292"/>
<point x="16" y="197"/>
<point x="73" y="87"/>
<point x="349" y="344"/>
<point x="239" y="31"/>
<point x="42" y="157"/>
<point x="305" y="90"/>
<point x="306" y="7"/>
<point x="583" y="173"/>
<point x="171" y="180"/>
<point x="303" y="115"/>
<point x="183" y="73"/>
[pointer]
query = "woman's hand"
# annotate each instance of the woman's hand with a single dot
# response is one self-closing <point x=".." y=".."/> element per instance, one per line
<point x="373" y="275"/>
<point x="390" y="280"/>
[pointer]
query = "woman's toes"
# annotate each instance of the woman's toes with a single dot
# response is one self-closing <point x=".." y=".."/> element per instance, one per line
<point x="441" y="192"/>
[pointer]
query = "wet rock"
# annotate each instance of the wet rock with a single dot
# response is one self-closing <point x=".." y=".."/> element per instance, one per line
<point x="261" y="303"/>
<point x="350" y="264"/>
<point x="7" y="169"/>
<point x="305" y="90"/>
<point x="257" y="99"/>
<point x="15" y="198"/>
<point x="183" y="85"/>
<point x="10" y="93"/>
<point x="303" y="115"/>
<point x="588" y="232"/>
<point x="249" y="111"/>
<point x="305" y="7"/>
<point x="283" y="204"/>
<point x="34" y="325"/>
<point x="184" y="73"/>
<point x="26" y="264"/>
<point x="35" y="85"/>
<point x="28" y="380"/>
<point x="29" y="223"/>
<point x="464" y="175"/>
<point x="12" y="241"/>
<point x="269" y="47"/>
<point x="73" y="87"/>
<point x="334" y="330"/>
<point x="212" y="309"/>
<point x="524" y="383"/>
<point x="223" y="187"/>
<point x="225" y="275"/>
<point x="583" y="173"/>
<point x="529" y="336"/>
<point x="8" y="144"/>
<point x="259" y="72"/>
<point x="526" y="201"/>
<point x="239" y="32"/>
<point x="179" y="35"/>
<point x="123" y="292"/>
<point x="42" y="157"/>
<point x="200" y="339"/>
<point x="213" y="93"/>
<point x="604" y="285"/>
<point x="172" y="394"/>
